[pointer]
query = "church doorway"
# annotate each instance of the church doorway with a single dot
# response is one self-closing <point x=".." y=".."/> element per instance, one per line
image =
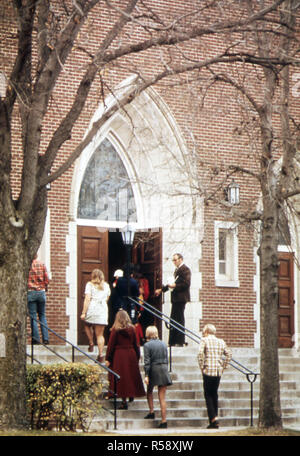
<point x="104" y="249"/>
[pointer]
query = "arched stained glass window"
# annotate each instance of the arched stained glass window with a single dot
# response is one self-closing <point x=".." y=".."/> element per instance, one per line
<point x="106" y="192"/>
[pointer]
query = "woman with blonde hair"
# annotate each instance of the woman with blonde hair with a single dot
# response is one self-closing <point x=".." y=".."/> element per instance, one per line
<point x="122" y="356"/>
<point x="95" y="311"/>
<point x="156" y="373"/>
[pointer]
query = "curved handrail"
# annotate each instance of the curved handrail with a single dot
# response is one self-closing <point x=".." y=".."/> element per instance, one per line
<point x="195" y="337"/>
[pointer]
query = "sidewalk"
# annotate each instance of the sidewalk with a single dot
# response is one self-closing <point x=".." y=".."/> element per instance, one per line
<point x="176" y="431"/>
<point x="189" y="431"/>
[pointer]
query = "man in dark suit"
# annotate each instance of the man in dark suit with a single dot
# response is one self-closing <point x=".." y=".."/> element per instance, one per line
<point x="180" y="295"/>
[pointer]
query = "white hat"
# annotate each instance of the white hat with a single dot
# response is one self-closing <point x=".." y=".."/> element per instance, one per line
<point x="118" y="273"/>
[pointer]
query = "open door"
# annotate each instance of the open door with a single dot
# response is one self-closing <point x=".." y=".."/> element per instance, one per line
<point x="92" y="254"/>
<point x="147" y="253"/>
<point x="99" y="248"/>
<point x="285" y="300"/>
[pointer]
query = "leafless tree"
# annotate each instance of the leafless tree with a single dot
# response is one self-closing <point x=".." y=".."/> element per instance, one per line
<point x="269" y="121"/>
<point x="44" y="34"/>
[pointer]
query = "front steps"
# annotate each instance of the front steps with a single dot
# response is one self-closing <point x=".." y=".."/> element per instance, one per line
<point x="185" y="401"/>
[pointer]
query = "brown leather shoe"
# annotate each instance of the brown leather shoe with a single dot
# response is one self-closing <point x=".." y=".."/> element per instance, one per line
<point x="100" y="359"/>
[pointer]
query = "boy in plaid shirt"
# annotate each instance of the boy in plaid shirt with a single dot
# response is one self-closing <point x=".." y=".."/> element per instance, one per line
<point x="212" y="365"/>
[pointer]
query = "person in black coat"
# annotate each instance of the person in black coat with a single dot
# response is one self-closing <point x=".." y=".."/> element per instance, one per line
<point x="156" y="373"/>
<point x="126" y="286"/>
<point x="180" y="295"/>
<point x="114" y="302"/>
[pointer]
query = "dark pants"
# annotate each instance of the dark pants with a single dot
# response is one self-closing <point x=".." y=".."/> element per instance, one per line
<point x="210" y="387"/>
<point x="37" y="307"/>
<point x="177" y="314"/>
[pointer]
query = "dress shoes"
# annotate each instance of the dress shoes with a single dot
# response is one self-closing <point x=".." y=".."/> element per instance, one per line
<point x="123" y="406"/>
<point x="213" y="425"/>
<point x="163" y="425"/>
<point x="150" y="416"/>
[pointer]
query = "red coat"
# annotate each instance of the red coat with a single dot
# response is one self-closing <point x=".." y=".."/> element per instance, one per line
<point x="123" y="353"/>
<point x="144" y="288"/>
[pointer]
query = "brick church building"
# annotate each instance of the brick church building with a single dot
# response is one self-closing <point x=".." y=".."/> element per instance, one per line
<point x="147" y="166"/>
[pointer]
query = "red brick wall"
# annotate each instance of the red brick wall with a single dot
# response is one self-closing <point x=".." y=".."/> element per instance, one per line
<point x="217" y="138"/>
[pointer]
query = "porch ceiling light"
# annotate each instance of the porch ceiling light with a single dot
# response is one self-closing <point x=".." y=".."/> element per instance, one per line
<point x="128" y="234"/>
<point x="233" y="192"/>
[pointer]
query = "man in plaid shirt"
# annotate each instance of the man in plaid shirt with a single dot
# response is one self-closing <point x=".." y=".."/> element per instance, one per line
<point x="212" y="364"/>
<point x="38" y="281"/>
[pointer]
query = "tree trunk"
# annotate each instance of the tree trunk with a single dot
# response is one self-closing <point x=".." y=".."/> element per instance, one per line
<point x="13" y="308"/>
<point x="269" y="402"/>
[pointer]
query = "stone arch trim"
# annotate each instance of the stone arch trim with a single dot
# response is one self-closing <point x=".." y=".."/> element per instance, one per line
<point x="152" y="149"/>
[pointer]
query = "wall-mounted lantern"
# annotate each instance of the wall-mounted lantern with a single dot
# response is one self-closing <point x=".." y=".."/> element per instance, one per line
<point x="3" y="85"/>
<point x="233" y="193"/>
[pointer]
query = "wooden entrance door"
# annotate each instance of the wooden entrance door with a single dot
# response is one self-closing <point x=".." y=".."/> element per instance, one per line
<point x="147" y="253"/>
<point x="285" y="300"/>
<point x="104" y="250"/>
<point x="92" y="254"/>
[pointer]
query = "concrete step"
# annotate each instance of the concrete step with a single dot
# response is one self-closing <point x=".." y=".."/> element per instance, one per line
<point x="197" y="408"/>
<point x="224" y="403"/>
<point x="130" y="425"/>
<point x="194" y="416"/>
<point x="173" y="422"/>
<point x="231" y="376"/>
<point x="180" y="356"/>
<point x="185" y="400"/>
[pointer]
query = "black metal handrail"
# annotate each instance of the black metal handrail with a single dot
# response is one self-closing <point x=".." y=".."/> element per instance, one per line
<point x="250" y="375"/>
<point x="116" y="376"/>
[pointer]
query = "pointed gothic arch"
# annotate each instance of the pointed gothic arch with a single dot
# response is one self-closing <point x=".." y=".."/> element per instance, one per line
<point x="106" y="192"/>
<point x="150" y="146"/>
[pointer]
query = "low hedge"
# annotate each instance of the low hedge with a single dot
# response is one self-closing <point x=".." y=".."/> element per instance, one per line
<point x="65" y="396"/>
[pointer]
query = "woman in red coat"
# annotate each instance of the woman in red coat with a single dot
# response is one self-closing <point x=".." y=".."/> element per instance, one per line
<point x="122" y="356"/>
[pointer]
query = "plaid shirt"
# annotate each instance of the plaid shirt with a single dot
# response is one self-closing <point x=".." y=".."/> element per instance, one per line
<point x="38" y="277"/>
<point x="210" y="356"/>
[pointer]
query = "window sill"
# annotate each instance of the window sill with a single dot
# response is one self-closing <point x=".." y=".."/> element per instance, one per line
<point x="227" y="283"/>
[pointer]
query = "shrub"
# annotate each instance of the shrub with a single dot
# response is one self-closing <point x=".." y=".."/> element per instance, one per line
<point x="64" y="395"/>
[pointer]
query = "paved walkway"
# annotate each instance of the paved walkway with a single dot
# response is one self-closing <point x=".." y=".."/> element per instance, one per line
<point x="185" y="431"/>
<point x="175" y="431"/>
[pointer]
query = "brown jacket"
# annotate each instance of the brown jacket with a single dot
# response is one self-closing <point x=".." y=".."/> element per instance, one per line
<point x="181" y="292"/>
